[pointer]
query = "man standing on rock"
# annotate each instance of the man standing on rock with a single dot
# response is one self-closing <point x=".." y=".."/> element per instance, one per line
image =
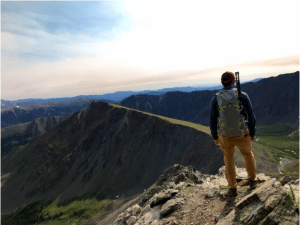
<point x="232" y="123"/>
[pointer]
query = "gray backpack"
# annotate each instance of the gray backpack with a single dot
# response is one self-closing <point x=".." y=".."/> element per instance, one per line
<point x="231" y="123"/>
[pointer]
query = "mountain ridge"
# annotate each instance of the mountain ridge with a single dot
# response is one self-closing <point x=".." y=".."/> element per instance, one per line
<point x="109" y="97"/>
<point x="26" y="113"/>
<point x="90" y="151"/>
<point x="274" y="100"/>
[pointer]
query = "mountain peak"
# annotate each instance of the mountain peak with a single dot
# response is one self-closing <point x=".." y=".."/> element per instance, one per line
<point x="93" y="151"/>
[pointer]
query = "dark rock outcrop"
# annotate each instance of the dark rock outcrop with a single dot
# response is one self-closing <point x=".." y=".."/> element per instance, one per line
<point x="270" y="203"/>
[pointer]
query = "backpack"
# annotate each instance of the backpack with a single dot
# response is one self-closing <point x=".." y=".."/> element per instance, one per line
<point x="231" y="123"/>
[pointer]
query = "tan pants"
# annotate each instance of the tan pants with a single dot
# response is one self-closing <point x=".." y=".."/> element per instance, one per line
<point x="243" y="142"/>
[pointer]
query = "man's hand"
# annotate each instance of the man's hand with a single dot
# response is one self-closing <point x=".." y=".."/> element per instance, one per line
<point x="252" y="138"/>
<point x="217" y="142"/>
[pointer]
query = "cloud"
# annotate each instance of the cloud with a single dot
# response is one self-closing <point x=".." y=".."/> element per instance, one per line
<point x="59" y="30"/>
<point x="86" y="76"/>
<point x="63" y="49"/>
<point x="278" y="62"/>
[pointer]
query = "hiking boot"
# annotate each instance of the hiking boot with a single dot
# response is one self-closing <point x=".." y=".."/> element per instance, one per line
<point x="231" y="192"/>
<point x="252" y="184"/>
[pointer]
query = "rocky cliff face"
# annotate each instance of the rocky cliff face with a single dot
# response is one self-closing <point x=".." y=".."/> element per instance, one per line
<point x="183" y="195"/>
<point x="103" y="149"/>
<point x="274" y="100"/>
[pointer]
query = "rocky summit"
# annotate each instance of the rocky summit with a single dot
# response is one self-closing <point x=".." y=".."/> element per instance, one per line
<point x="183" y="195"/>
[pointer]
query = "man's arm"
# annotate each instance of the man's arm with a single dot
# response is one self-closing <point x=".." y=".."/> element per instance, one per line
<point x="251" y="117"/>
<point x="214" y="114"/>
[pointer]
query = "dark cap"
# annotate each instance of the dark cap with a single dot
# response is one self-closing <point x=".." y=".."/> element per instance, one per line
<point x="227" y="79"/>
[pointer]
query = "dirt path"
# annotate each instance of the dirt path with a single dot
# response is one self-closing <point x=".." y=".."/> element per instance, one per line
<point x="198" y="209"/>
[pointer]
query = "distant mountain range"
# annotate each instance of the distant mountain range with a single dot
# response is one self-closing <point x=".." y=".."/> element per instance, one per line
<point x="26" y="113"/>
<point x="102" y="149"/>
<point x="110" y="97"/>
<point x="274" y="100"/>
<point x="190" y="106"/>
<point x="33" y="101"/>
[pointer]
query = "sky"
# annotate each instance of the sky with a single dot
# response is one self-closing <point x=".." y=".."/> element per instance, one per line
<point x="55" y="49"/>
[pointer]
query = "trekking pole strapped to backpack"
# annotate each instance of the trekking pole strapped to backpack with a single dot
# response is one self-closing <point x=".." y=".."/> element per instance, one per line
<point x="238" y="84"/>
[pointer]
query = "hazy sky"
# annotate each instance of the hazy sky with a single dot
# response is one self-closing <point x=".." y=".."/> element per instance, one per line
<point x="62" y="49"/>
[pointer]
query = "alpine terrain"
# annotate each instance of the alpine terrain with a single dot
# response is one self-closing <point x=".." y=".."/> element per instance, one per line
<point x="103" y="149"/>
<point x="148" y="161"/>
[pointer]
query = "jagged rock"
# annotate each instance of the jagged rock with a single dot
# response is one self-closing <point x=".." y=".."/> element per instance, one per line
<point x="220" y="182"/>
<point x="150" y="216"/>
<point x="181" y="185"/>
<point x="170" y="206"/>
<point x="284" y="213"/>
<point x="284" y="180"/>
<point x="178" y="173"/>
<point x="136" y="209"/>
<point x="129" y="215"/>
<point x="162" y="197"/>
<point x="262" y="176"/>
<point x="120" y="219"/>
<point x="270" y="203"/>
<point x="267" y="204"/>
<point x="209" y="185"/>
<point x="172" y="170"/>
<point x="221" y="171"/>
<point x="167" y="180"/>
<point x="239" y="172"/>
<point x="211" y="193"/>
<point x="170" y="221"/>
<point x="187" y="177"/>
<point x="144" y="211"/>
<point x="171" y="185"/>
<point x="149" y="194"/>
<point x="146" y="219"/>
<point x="131" y="220"/>
<point x="295" y="188"/>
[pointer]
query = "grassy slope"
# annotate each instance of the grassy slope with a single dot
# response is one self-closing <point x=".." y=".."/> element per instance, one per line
<point x="276" y="142"/>
<point x="199" y="127"/>
<point x="273" y="140"/>
<point x="49" y="212"/>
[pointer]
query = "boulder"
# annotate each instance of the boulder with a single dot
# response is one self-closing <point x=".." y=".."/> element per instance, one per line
<point x="149" y="216"/>
<point x="268" y="204"/>
<point x="162" y="197"/>
<point x="284" y="180"/>
<point x="131" y="220"/>
<point x="136" y="209"/>
<point x="170" y="206"/>
<point x="211" y="193"/>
